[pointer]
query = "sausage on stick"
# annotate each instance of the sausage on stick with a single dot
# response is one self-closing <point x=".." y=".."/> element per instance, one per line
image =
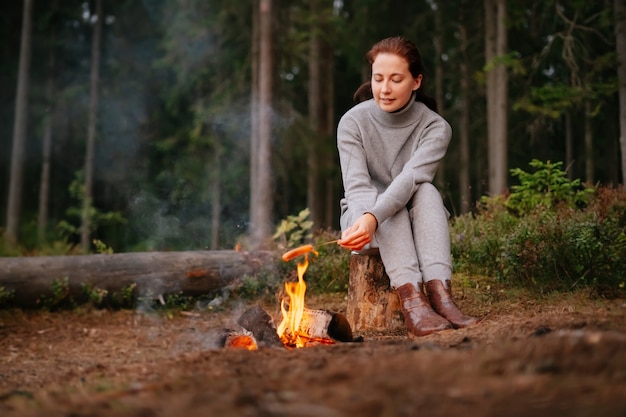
<point x="301" y="250"/>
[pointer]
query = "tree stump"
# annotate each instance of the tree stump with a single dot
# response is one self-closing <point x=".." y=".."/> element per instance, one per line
<point x="372" y="304"/>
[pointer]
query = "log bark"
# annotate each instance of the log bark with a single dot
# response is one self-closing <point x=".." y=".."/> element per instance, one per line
<point x="258" y="322"/>
<point x="152" y="273"/>
<point x="372" y="304"/>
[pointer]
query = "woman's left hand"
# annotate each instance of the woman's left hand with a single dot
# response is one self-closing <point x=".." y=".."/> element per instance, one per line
<point x="360" y="233"/>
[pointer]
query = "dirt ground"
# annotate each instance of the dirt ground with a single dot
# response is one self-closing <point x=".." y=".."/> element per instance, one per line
<point x="530" y="355"/>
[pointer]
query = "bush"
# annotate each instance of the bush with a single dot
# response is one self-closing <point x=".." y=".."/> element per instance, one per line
<point x="477" y="239"/>
<point x="564" y="250"/>
<point x="570" y="239"/>
<point x="546" y="188"/>
<point x="329" y="271"/>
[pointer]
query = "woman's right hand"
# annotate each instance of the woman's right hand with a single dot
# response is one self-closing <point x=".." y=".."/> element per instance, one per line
<point x="360" y="233"/>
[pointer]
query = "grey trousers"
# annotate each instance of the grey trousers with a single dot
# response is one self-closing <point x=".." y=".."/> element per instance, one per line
<point x="414" y="243"/>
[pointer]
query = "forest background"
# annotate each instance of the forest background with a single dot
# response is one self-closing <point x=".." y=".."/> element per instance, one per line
<point x="193" y="124"/>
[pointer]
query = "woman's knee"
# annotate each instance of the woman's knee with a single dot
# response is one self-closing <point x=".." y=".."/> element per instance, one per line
<point x="426" y="194"/>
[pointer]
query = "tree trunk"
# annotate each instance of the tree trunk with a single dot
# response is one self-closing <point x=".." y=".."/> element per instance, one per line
<point x="214" y="173"/>
<point x="261" y="213"/>
<point x="569" y="146"/>
<point x="438" y="46"/>
<point x="44" y="183"/>
<point x="314" y="202"/>
<point x="589" y="166"/>
<point x="333" y="177"/>
<point x="19" y="128"/>
<point x="320" y="162"/>
<point x="464" y="131"/>
<point x="85" y="230"/>
<point x="151" y="273"/>
<point x="620" y="44"/>
<point x="254" y="112"/>
<point x="497" y="92"/>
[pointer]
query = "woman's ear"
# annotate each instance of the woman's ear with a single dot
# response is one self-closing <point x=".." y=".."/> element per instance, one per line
<point x="418" y="82"/>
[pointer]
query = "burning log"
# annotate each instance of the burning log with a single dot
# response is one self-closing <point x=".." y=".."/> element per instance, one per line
<point x="372" y="303"/>
<point x="261" y="326"/>
<point x="316" y="327"/>
<point x="323" y="325"/>
<point x="188" y="272"/>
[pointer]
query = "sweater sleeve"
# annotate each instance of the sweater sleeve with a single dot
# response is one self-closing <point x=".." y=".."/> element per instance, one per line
<point x="358" y="186"/>
<point x="421" y="167"/>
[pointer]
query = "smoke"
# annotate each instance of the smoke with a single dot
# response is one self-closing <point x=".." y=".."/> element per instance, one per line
<point x="122" y="112"/>
<point x="150" y="220"/>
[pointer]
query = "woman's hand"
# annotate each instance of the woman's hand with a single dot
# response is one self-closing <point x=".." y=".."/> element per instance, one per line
<point x="360" y="233"/>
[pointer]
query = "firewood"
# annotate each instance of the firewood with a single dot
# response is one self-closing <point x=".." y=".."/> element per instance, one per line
<point x="316" y="325"/>
<point x="321" y="324"/>
<point x="260" y="324"/>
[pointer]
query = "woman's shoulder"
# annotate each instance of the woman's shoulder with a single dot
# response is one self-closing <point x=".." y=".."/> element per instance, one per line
<point x="428" y="116"/>
<point x="364" y="107"/>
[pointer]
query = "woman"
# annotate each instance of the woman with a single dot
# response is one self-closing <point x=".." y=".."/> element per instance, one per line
<point x="389" y="147"/>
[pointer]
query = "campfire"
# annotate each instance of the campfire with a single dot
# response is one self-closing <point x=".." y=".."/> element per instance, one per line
<point x="300" y="326"/>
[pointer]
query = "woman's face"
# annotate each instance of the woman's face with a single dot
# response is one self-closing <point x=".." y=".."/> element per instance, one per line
<point x="392" y="82"/>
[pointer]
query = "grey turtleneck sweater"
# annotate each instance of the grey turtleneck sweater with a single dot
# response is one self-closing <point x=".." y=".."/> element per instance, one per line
<point x="385" y="156"/>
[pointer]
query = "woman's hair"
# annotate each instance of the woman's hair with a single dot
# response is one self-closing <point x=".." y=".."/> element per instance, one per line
<point x="401" y="46"/>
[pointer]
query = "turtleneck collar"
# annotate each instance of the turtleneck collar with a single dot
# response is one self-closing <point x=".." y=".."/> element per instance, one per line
<point x="399" y="118"/>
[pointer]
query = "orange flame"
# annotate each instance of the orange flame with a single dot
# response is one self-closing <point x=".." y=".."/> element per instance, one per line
<point x="287" y="330"/>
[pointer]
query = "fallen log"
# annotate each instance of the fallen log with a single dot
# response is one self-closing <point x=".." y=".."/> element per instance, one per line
<point x="149" y="273"/>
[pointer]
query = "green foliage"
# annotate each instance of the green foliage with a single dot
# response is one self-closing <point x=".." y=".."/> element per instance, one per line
<point x="7" y="248"/>
<point x="126" y="298"/>
<point x="98" y="218"/>
<point x="477" y="239"/>
<point x="178" y="301"/>
<point x="510" y="60"/>
<point x="564" y="250"/>
<point x="58" y="246"/>
<point x="101" y="247"/>
<point x="550" y="100"/>
<point x="329" y="270"/>
<point x="294" y="230"/>
<point x="102" y="298"/>
<point x="261" y="285"/>
<point x="60" y="296"/>
<point x="6" y="296"/>
<point x="555" y="247"/>
<point x="547" y="187"/>
<point x="96" y="296"/>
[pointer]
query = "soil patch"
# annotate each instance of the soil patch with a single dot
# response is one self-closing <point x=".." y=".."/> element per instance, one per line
<point x="552" y="355"/>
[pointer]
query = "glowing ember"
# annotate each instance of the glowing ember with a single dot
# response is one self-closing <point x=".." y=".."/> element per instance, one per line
<point x="241" y="341"/>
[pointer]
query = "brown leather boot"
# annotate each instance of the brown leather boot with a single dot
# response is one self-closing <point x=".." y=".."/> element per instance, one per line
<point x="440" y="296"/>
<point x="419" y="316"/>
